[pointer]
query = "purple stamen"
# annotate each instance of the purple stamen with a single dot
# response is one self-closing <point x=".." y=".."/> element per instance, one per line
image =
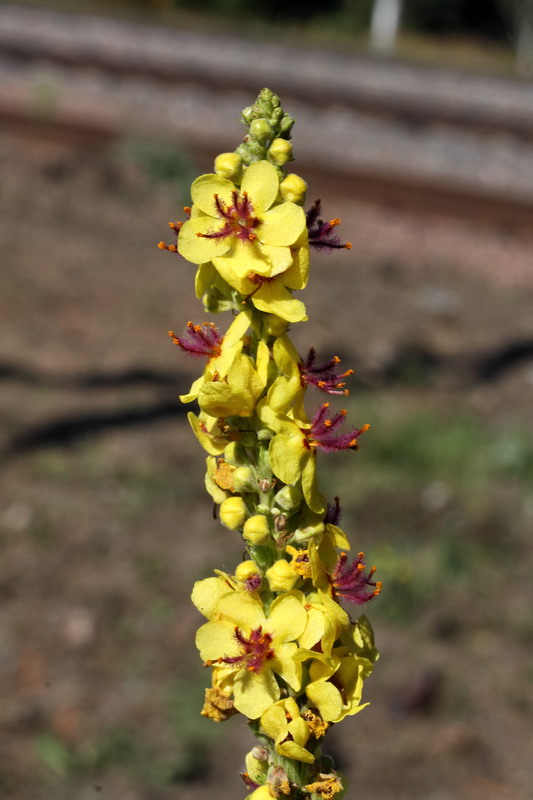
<point x="352" y="583"/>
<point x="324" y="376"/>
<point x="323" y="432"/>
<point x="199" y="341"/>
<point x="321" y="233"/>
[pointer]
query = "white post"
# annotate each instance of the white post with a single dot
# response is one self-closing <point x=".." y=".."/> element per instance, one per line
<point x="384" y="25"/>
<point x="524" y="44"/>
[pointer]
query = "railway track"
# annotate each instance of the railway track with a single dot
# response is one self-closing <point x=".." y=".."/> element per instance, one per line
<point x="426" y="141"/>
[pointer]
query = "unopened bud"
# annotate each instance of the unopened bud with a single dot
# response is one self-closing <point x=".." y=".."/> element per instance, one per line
<point x="281" y="576"/>
<point x="256" y="529"/>
<point x="293" y="189"/>
<point x="229" y="165"/>
<point x="244" y="480"/>
<point x="279" y="152"/>
<point x="289" y="498"/>
<point x="235" y="454"/>
<point x="233" y="513"/>
<point x="260" y="130"/>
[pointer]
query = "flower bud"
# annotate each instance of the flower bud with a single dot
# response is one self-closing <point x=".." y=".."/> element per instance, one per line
<point x="247" y="570"/>
<point x="256" y="529"/>
<point x="260" y="130"/>
<point x="244" y="480"/>
<point x="281" y="576"/>
<point x="288" y="498"/>
<point x="279" y="152"/>
<point x="235" y="454"/>
<point x="229" y="165"/>
<point x="256" y="768"/>
<point x="293" y="189"/>
<point x="233" y="513"/>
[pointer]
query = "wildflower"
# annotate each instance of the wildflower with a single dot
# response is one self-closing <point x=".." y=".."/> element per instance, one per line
<point x="326" y="620"/>
<point x="293" y="448"/>
<point x="243" y="228"/>
<point x="335" y="688"/>
<point x="272" y="294"/>
<point x="237" y="393"/>
<point x="321" y="234"/>
<point x="256" y="645"/>
<point x="220" y="351"/>
<point x="288" y="390"/>
<point x="289" y="730"/>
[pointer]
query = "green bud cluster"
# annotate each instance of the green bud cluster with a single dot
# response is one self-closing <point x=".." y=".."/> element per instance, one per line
<point x="269" y="129"/>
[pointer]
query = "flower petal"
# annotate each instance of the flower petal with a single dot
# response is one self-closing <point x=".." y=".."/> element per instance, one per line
<point x="207" y="593"/>
<point x="287" y="618"/>
<point x="282" y="225"/>
<point x="244" y="257"/>
<point x="243" y="610"/>
<point x="197" y="248"/>
<point x="327" y="699"/>
<point x="254" y="692"/>
<point x="287" y="666"/>
<point x="274" y="298"/>
<point x="204" y="189"/>
<point x="261" y="181"/>
<point x="217" y="640"/>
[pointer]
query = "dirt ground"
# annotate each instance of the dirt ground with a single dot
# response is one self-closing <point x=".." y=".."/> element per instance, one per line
<point x="104" y="525"/>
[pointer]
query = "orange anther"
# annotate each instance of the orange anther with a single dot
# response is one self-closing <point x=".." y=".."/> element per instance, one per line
<point x="187" y="209"/>
<point x="334" y="222"/>
<point x="348" y="245"/>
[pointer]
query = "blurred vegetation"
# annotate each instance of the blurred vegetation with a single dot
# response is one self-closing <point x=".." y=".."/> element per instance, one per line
<point x="491" y="19"/>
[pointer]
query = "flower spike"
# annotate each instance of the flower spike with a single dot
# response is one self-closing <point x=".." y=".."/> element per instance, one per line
<point x="281" y="649"/>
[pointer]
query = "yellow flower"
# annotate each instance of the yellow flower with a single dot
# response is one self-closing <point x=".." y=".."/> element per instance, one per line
<point x="288" y="390"/>
<point x="242" y="637"/>
<point x="336" y="689"/>
<point x="326" y="620"/>
<point x="291" y="458"/>
<point x="290" y="732"/>
<point x="272" y="294"/>
<point x="222" y="357"/>
<point x="243" y="228"/>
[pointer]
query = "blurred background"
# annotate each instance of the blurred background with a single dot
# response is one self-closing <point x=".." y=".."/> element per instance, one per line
<point x="415" y="125"/>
